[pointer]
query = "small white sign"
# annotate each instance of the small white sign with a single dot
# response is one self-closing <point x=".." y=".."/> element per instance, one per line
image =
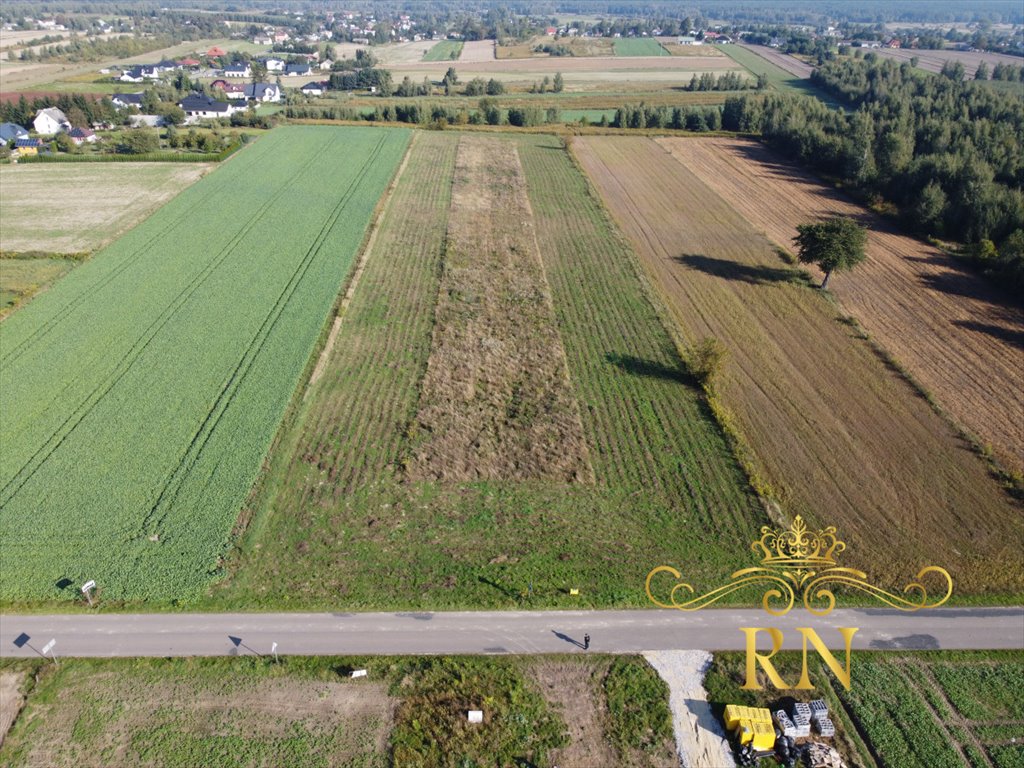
<point x="49" y="646"/>
<point x="273" y="647"/>
<point x="476" y="716"/>
<point x="88" y="585"/>
<point x="358" y="673"/>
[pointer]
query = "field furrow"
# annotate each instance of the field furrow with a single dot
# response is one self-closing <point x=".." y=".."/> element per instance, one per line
<point x="957" y="335"/>
<point x="843" y="440"/>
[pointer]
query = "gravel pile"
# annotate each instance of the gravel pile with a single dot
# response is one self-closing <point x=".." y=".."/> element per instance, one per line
<point x="700" y="738"/>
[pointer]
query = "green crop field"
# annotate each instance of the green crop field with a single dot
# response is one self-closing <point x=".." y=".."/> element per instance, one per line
<point x="778" y="78"/>
<point x="336" y="501"/>
<point x="639" y="46"/>
<point x="141" y="393"/>
<point x="446" y="50"/>
<point x="929" y="709"/>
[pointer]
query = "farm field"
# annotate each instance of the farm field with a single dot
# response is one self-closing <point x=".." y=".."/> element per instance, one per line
<point x="402" y="53"/>
<point x="957" y="335"/>
<point x="21" y="278"/>
<point x="339" y="499"/>
<point x="762" y="60"/>
<point x="936" y="709"/>
<point x="639" y="46"/>
<point x="573" y="711"/>
<point x="477" y="50"/>
<point x="116" y="367"/>
<point x="932" y="61"/>
<point x="836" y="435"/>
<point x="446" y="50"/>
<point x="114" y="198"/>
<point x="784" y="61"/>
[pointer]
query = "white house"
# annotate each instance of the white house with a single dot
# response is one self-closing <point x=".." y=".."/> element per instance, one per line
<point x="50" y="121"/>
<point x="275" y="65"/>
<point x="82" y="135"/>
<point x="688" y="40"/>
<point x="122" y="100"/>
<point x="264" y="92"/>
<point x="238" y="70"/>
<point x="196" y="106"/>
<point x="313" y="89"/>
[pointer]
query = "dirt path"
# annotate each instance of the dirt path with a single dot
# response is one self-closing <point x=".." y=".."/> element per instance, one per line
<point x="571" y="687"/>
<point x="699" y="737"/>
<point x="840" y="438"/>
<point x="958" y="336"/>
<point x="11" y="700"/>
<point x="496" y="400"/>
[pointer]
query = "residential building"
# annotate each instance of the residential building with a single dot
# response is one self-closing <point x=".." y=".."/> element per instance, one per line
<point x="26" y="146"/>
<point x="50" y="121"/>
<point x="122" y="100"/>
<point x="238" y="70"/>
<point x="12" y="132"/>
<point x="82" y="136"/>
<point x="201" y="107"/>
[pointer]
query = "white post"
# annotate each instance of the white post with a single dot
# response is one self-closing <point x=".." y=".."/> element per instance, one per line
<point x="273" y="650"/>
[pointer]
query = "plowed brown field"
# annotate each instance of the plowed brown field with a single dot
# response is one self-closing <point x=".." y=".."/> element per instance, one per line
<point x="956" y="334"/>
<point x="845" y="440"/>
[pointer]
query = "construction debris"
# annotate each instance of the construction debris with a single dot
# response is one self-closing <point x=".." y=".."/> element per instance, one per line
<point x="818" y="755"/>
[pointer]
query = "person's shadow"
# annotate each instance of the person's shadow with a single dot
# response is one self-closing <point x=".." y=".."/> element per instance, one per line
<point x="567" y="639"/>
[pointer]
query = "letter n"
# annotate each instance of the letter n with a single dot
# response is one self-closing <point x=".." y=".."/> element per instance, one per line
<point x="843" y="675"/>
<point x="754" y="658"/>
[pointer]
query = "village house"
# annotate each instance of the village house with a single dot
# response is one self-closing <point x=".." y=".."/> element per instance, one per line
<point x="238" y="70"/>
<point x="263" y="92"/>
<point x="12" y="132"/>
<point x="82" y="136"/>
<point x="314" y="88"/>
<point x="274" y="65"/>
<point x="202" y="107"/>
<point x="26" y="147"/>
<point x="298" y="70"/>
<point x="140" y="74"/>
<point x="122" y="100"/>
<point x="50" y="121"/>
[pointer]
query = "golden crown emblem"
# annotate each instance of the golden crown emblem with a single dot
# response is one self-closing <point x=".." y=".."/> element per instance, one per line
<point x="799" y="548"/>
<point x="799" y="561"/>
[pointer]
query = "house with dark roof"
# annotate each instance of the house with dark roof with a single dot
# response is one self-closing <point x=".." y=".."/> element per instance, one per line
<point x="122" y="100"/>
<point x="314" y="88"/>
<point x="196" y="106"/>
<point x="238" y="70"/>
<point x="140" y="73"/>
<point x="298" y="70"/>
<point x="26" y="147"/>
<point x="11" y="132"/>
<point x="82" y="136"/>
<point x="263" y="92"/>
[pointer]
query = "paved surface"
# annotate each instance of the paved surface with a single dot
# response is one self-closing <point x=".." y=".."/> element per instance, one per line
<point x="515" y="632"/>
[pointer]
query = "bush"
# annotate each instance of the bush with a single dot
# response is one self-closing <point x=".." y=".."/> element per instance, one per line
<point x="705" y="361"/>
<point x="138" y="141"/>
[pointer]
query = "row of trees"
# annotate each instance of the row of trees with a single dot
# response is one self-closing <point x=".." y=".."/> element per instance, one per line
<point x="678" y="118"/>
<point x="727" y="81"/>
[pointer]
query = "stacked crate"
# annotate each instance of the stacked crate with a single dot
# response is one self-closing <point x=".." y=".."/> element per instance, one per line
<point x="820" y="718"/>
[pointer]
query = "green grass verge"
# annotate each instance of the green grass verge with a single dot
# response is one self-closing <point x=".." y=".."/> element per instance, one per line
<point x="446" y="50"/>
<point x="21" y="278"/>
<point x="639" y="46"/>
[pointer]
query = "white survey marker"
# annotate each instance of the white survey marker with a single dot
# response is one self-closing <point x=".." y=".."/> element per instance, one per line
<point x="88" y="585"/>
<point x="49" y="646"/>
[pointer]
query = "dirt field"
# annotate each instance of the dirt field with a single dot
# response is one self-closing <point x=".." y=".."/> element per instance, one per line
<point x="477" y="50"/>
<point x="126" y="713"/>
<point x="840" y="438"/>
<point x="496" y="400"/>
<point x="574" y="689"/>
<point x="957" y="335"/>
<point x="70" y="207"/>
<point x="932" y="61"/>
<point x="402" y="53"/>
<point x="11" y="699"/>
<point x="782" y="60"/>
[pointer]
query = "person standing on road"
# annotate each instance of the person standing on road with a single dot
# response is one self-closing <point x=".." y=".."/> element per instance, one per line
<point x="586" y="642"/>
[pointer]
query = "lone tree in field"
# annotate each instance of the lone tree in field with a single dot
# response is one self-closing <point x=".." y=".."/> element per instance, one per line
<point x="835" y="245"/>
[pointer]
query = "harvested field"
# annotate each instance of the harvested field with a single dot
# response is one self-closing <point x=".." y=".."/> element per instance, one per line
<point x="932" y="61"/>
<point x="402" y="53"/>
<point x="961" y="338"/>
<point x="594" y="64"/>
<point x="496" y="401"/>
<point x="110" y="199"/>
<point x="477" y="50"/>
<point x="198" y="712"/>
<point x="841" y="438"/>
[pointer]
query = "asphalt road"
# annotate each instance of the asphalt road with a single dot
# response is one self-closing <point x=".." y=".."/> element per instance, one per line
<point x="513" y="632"/>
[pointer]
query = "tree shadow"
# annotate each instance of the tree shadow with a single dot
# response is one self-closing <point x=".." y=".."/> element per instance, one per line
<point x="1009" y="335"/>
<point x="640" y="367"/>
<point x="509" y="593"/>
<point x="745" y="273"/>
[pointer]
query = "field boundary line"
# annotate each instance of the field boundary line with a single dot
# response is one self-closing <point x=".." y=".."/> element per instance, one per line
<point x="353" y="282"/>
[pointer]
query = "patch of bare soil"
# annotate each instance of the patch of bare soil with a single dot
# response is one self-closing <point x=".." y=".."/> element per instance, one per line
<point x="11" y="700"/>
<point x="496" y="402"/>
<point x="477" y="50"/>
<point x="574" y="688"/>
<point x="958" y="336"/>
